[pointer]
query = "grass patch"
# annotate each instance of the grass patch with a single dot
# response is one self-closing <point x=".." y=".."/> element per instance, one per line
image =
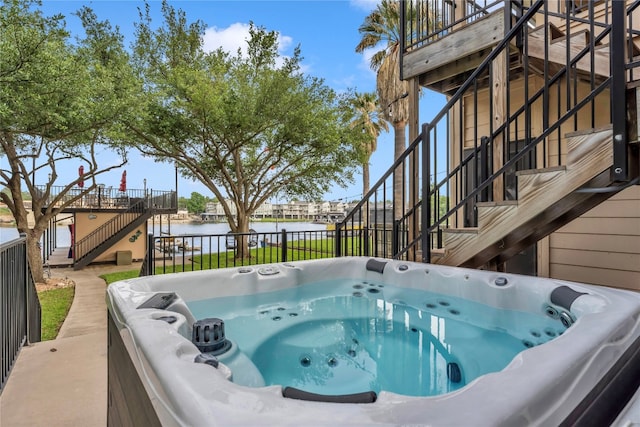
<point x="55" y="305"/>
<point x="120" y="275"/>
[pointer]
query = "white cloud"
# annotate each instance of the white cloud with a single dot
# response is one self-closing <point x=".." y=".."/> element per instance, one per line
<point x="365" y="61"/>
<point x="235" y="37"/>
<point x="366" y="5"/>
<point x="230" y="39"/>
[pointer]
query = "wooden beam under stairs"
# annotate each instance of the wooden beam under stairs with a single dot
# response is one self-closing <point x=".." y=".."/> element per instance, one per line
<point x="547" y="199"/>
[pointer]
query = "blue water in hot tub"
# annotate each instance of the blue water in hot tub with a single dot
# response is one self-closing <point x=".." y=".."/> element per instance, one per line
<point x="350" y="336"/>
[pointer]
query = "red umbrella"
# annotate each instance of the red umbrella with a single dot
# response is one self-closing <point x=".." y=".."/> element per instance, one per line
<point x="123" y="182"/>
<point x="81" y="173"/>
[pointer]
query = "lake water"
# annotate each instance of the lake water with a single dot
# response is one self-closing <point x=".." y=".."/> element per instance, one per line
<point x="181" y="228"/>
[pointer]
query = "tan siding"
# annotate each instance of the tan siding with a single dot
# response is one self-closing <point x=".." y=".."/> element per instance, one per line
<point x="597" y="259"/>
<point x="602" y="246"/>
<point x="597" y="276"/>
<point x="631" y="193"/>
<point x="620" y="226"/>
<point x="622" y="208"/>
<point x="595" y="242"/>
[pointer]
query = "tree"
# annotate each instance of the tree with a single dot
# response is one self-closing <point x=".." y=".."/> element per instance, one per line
<point x="382" y="27"/>
<point x="58" y="101"/>
<point x="368" y="119"/>
<point x="246" y="126"/>
<point x="197" y="203"/>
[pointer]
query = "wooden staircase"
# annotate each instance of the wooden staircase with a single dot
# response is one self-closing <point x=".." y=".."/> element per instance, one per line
<point x="559" y="99"/>
<point x="547" y="200"/>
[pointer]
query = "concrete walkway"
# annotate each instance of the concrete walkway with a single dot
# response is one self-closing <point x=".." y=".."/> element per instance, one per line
<point x="63" y="382"/>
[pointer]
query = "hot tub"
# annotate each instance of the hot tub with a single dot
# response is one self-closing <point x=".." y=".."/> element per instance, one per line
<point x="575" y="348"/>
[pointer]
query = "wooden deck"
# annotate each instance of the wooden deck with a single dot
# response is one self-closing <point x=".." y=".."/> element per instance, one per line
<point x="60" y="258"/>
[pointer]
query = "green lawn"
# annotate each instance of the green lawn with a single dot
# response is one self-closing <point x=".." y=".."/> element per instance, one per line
<point x="55" y="305"/>
<point x="121" y="275"/>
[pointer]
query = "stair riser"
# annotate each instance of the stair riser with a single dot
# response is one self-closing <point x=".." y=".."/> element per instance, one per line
<point x="494" y="214"/>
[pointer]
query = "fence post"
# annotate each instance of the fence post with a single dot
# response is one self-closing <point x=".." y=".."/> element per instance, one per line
<point x="283" y="254"/>
<point x="426" y="189"/>
<point x="365" y="243"/>
<point x="150" y="267"/>
<point x="338" y="248"/>
<point x="25" y="282"/>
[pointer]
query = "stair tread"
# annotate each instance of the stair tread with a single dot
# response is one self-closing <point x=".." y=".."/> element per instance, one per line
<point x="588" y="131"/>
<point x="556" y="54"/>
<point x="583" y="34"/>
<point x="470" y="230"/>
<point x="541" y="170"/>
<point x="438" y="252"/>
<point x="553" y="30"/>
<point x="497" y="203"/>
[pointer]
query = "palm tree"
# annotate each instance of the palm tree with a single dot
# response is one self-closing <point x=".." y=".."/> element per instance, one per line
<point x="382" y="28"/>
<point x="368" y="118"/>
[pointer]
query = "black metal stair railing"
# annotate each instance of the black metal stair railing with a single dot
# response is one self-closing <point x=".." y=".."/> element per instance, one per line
<point x="563" y="91"/>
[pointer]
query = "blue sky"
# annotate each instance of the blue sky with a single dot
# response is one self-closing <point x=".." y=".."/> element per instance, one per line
<point x="326" y="31"/>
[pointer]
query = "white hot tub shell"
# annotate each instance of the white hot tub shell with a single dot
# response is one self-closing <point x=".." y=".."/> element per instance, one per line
<point x="586" y="375"/>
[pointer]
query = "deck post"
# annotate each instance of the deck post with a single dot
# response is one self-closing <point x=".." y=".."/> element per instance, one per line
<point x="620" y="169"/>
<point x="283" y="253"/>
<point x="425" y="213"/>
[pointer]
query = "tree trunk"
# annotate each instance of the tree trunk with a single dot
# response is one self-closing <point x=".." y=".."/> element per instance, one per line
<point x="20" y="215"/>
<point x="365" y="178"/>
<point x="35" y="256"/>
<point x="398" y="178"/>
<point x="242" y="242"/>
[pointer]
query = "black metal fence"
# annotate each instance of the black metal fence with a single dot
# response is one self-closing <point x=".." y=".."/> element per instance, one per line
<point x="191" y="252"/>
<point x="19" y="305"/>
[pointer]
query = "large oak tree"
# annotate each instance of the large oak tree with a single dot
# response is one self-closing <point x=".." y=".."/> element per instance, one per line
<point x="246" y="125"/>
<point x="60" y="100"/>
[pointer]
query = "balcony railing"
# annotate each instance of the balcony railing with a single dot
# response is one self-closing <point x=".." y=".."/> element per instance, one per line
<point x="427" y="21"/>
<point x="108" y="198"/>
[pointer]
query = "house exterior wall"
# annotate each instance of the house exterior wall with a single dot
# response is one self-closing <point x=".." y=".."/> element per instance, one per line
<point x="135" y="241"/>
<point x="602" y="246"/>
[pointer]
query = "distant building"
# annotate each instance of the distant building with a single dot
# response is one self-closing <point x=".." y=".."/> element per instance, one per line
<point x="300" y="210"/>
